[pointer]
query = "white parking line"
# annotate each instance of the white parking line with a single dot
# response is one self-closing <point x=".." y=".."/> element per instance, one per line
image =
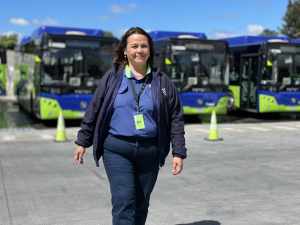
<point x="202" y="130"/>
<point x="47" y="136"/>
<point x="9" y="138"/>
<point x="258" y="128"/>
<point x="284" y="128"/>
<point x="234" y="129"/>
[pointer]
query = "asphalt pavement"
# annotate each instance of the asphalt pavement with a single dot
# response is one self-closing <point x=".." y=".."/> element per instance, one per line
<point x="249" y="178"/>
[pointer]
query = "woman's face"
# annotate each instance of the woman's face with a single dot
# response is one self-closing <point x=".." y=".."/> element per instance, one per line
<point x="137" y="50"/>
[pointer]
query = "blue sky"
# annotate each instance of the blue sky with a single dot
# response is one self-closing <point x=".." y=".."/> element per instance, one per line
<point x="216" y="18"/>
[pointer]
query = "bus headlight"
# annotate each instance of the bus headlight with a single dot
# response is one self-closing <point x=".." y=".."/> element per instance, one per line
<point x="230" y="103"/>
<point x="90" y="82"/>
<point x="204" y="82"/>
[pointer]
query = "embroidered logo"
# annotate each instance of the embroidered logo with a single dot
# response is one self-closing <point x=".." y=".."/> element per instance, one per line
<point x="163" y="90"/>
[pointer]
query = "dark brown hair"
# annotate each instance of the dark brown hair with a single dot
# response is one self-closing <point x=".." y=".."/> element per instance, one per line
<point x="120" y="59"/>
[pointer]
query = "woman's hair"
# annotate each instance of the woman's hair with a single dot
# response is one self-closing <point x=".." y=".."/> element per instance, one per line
<point x="120" y="59"/>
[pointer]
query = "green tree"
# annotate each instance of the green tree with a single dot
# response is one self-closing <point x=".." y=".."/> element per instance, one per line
<point x="268" y="32"/>
<point x="8" y="41"/>
<point x="108" y="34"/>
<point x="291" y="19"/>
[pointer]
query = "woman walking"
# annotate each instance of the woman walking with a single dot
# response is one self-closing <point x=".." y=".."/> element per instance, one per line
<point x="134" y="115"/>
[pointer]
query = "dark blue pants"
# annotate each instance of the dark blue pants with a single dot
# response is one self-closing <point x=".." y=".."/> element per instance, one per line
<point x="132" y="167"/>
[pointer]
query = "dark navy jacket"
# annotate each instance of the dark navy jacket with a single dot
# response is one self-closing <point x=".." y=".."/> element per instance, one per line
<point x="168" y="115"/>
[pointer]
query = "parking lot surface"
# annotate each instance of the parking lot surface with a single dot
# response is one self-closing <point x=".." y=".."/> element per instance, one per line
<point x="249" y="178"/>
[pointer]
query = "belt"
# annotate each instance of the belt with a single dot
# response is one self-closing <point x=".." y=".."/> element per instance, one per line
<point x="135" y="138"/>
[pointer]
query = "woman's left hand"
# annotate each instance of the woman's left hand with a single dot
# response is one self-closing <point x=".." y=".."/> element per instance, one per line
<point x="177" y="165"/>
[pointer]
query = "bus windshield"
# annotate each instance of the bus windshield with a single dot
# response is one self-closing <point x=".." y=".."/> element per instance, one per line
<point x="197" y="69"/>
<point x="75" y="67"/>
<point x="284" y="66"/>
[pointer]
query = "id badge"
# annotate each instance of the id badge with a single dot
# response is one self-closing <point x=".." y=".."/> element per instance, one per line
<point x="139" y="121"/>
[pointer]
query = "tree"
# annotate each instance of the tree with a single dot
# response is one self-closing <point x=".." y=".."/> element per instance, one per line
<point x="268" y="32"/>
<point x="8" y="41"/>
<point x="291" y="19"/>
<point x="108" y="34"/>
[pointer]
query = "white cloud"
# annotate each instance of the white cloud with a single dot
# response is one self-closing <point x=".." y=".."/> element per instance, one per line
<point x="38" y="22"/>
<point x="219" y="35"/>
<point x="122" y="8"/>
<point x="47" y="21"/>
<point x="254" y="29"/>
<point x="19" y="21"/>
<point x="251" y="29"/>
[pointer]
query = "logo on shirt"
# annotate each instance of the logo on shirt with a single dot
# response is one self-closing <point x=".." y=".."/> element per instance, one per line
<point x="163" y="90"/>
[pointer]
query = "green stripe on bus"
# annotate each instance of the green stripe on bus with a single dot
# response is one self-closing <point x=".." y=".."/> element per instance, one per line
<point x="235" y="90"/>
<point x="50" y="108"/>
<point x="268" y="103"/>
<point x="220" y="108"/>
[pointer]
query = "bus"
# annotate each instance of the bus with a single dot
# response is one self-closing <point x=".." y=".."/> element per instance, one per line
<point x="198" y="67"/>
<point x="58" y="69"/>
<point x="3" y="71"/>
<point x="265" y="73"/>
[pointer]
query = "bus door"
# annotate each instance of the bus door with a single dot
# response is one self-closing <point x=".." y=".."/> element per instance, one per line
<point x="248" y="81"/>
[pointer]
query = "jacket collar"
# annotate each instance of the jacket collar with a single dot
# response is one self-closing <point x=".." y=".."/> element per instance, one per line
<point x="128" y="72"/>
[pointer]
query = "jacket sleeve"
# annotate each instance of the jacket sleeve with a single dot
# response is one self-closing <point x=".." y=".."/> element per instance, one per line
<point x="176" y="122"/>
<point x="86" y="133"/>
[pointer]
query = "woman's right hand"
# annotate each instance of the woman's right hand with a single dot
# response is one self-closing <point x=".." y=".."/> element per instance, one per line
<point x="79" y="154"/>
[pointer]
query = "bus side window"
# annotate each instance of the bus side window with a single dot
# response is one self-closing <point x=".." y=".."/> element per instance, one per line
<point x="245" y="69"/>
<point x="267" y="70"/>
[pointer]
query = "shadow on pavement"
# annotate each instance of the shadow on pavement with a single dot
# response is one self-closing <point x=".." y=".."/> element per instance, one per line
<point x="204" y="222"/>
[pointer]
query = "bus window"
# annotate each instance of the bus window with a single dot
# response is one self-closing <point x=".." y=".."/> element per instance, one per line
<point x="267" y="71"/>
<point x="285" y="67"/>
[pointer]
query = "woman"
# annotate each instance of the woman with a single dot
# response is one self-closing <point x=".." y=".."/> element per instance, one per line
<point x="131" y="120"/>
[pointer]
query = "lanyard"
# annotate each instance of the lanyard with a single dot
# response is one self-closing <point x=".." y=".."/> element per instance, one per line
<point x="138" y="96"/>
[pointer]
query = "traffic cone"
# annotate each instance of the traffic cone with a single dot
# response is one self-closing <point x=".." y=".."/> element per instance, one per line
<point x="213" y="130"/>
<point x="60" y="130"/>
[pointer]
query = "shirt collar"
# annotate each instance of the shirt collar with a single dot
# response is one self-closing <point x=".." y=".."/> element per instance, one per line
<point x="128" y="72"/>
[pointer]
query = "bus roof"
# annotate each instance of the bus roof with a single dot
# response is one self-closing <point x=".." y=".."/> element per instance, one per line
<point x="66" y="31"/>
<point x="52" y="30"/>
<point x="25" y="40"/>
<point x="164" y="35"/>
<point x="254" y="40"/>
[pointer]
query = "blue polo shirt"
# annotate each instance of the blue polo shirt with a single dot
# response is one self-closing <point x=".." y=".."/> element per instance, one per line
<point x="124" y="109"/>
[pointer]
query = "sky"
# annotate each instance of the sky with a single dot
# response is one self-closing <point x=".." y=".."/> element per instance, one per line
<point x="216" y="18"/>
